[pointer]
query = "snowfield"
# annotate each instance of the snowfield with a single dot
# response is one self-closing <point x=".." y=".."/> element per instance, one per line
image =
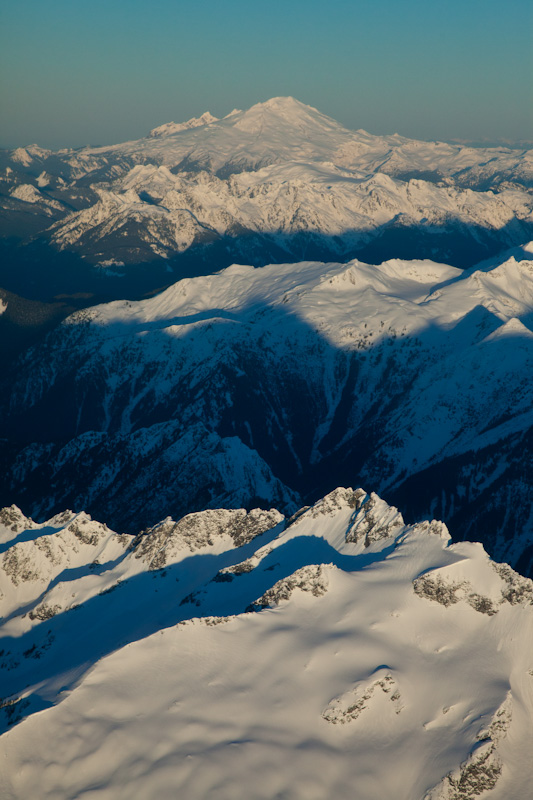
<point x="340" y="653"/>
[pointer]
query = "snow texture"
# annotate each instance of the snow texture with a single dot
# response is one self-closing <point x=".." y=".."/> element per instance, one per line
<point x="262" y="657"/>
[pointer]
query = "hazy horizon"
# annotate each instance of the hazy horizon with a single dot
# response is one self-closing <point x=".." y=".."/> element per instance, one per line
<point x="57" y="146"/>
<point x="105" y="73"/>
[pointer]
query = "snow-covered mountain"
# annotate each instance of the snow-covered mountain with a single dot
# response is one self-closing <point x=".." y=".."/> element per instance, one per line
<point x="338" y="653"/>
<point x="320" y="648"/>
<point x="282" y="130"/>
<point x="278" y="182"/>
<point x="169" y="128"/>
<point x="152" y="212"/>
<point x="271" y="386"/>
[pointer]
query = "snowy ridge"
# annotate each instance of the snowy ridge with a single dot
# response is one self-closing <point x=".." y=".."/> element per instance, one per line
<point x="302" y="651"/>
<point x="169" y="128"/>
<point x="280" y="170"/>
<point x="273" y="131"/>
<point x="281" y="201"/>
<point x="326" y="295"/>
<point x="404" y="369"/>
<point x="25" y="155"/>
<point x="30" y="194"/>
<point x="282" y="127"/>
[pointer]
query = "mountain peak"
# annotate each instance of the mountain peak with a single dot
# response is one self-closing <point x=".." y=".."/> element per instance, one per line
<point x="287" y="111"/>
<point x="284" y="106"/>
<point x="255" y="598"/>
<point x="287" y="102"/>
<point x="169" y="128"/>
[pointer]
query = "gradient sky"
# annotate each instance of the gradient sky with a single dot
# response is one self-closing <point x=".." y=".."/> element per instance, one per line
<point x="105" y="71"/>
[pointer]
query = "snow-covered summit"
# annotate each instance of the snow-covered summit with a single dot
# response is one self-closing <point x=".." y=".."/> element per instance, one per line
<point x="283" y="128"/>
<point x="26" y="155"/>
<point x="341" y="647"/>
<point x="277" y="110"/>
<point x="267" y="133"/>
<point x="30" y="194"/>
<point x="283" y="111"/>
<point x="279" y="167"/>
<point x="331" y="296"/>
<point x="169" y="128"/>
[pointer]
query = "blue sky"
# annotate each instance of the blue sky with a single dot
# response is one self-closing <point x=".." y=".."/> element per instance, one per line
<point x="101" y="72"/>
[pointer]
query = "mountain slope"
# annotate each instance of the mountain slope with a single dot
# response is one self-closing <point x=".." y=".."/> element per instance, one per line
<point x="150" y="212"/>
<point x="277" y="182"/>
<point x="282" y="129"/>
<point x="231" y="653"/>
<point x="271" y="386"/>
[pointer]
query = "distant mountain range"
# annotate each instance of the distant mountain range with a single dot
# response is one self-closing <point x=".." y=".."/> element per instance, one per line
<point x="279" y="182"/>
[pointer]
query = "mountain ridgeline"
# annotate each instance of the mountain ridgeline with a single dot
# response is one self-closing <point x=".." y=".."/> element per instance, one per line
<point x="279" y="182"/>
<point x="355" y="354"/>
<point x="205" y="333"/>
<point x="268" y="386"/>
<point x="303" y="657"/>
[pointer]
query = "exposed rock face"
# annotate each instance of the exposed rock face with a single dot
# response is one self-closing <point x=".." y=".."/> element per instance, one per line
<point x="393" y="651"/>
<point x="312" y="579"/>
<point x="481" y="771"/>
<point x="14" y="520"/>
<point x="518" y="590"/>
<point x="447" y="593"/>
<point x="352" y="704"/>
<point x="198" y="531"/>
<point x="376" y="521"/>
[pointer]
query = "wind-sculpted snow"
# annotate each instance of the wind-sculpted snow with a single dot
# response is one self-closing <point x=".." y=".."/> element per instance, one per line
<point x="270" y="386"/>
<point x="279" y="654"/>
<point x="482" y="770"/>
